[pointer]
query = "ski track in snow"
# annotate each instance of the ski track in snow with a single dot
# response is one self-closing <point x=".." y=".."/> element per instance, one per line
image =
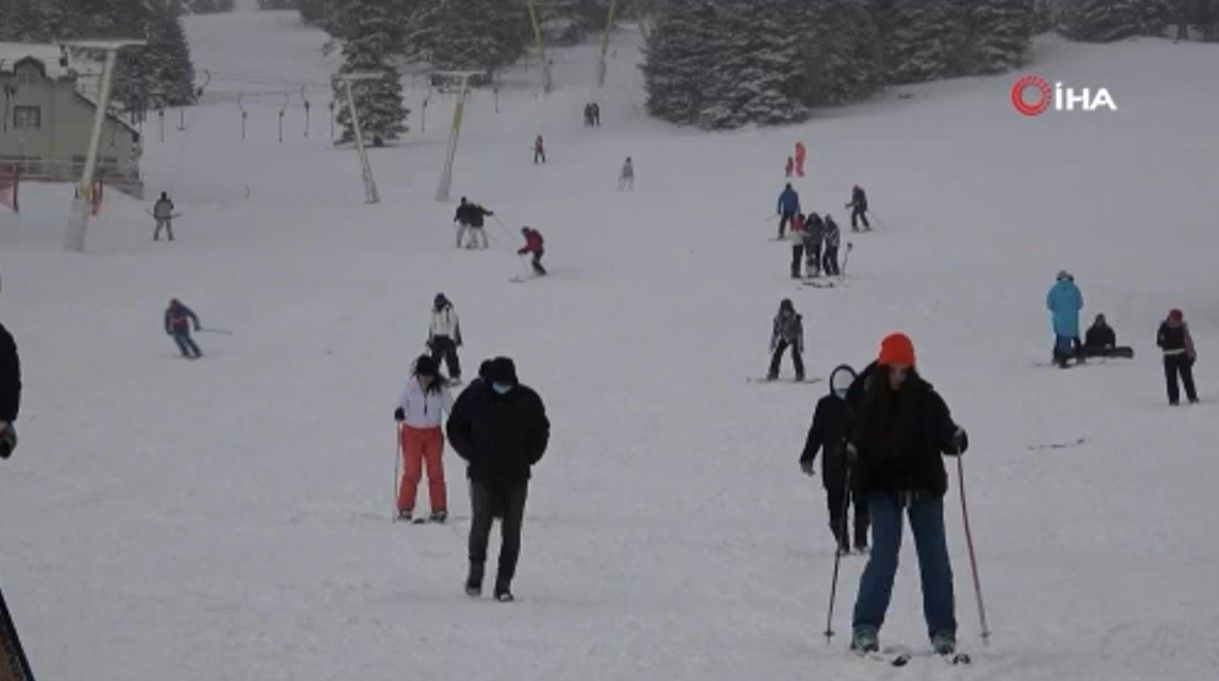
<point x="229" y="518"/>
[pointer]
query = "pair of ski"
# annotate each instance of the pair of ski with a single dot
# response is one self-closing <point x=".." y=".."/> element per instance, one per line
<point x="759" y="379"/>
<point x="899" y="657"/>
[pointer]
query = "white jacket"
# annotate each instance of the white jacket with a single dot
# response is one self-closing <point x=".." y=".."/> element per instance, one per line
<point x="445" y="323"/>
<point x="423" y="410"/>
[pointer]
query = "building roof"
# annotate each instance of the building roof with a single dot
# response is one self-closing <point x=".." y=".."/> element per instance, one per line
<point x="49" y="55"/>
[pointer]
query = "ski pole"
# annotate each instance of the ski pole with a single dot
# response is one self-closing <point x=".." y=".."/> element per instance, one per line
<point x="845" y="259"/>
<point x="397" y="466"/>
<point x="501" y="226"/>
<point x="222" y="332"/>
<point x="829" y="616"/>
<point x="878" y="220"/>
<point x="973" y="561"/>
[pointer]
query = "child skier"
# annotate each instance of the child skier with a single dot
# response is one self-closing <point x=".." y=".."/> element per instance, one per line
<point x="420" y="438"/>
<point x="831" y="432"/>
<point x="534" y="244"/>
<point x="788" y="331"/>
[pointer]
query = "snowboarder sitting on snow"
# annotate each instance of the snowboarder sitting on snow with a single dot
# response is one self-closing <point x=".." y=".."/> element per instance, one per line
<point x="444" y="336"/>
<point x="831" y="432"/>
<point x="859" y="208"/>
<point x="470" y="216"/>
<point x="797" y="238"/>
<point x="789" y="207"/>
<point x="788" y="330"/>
<point x="814" y="233"/>
<point x="1065" y="301"/>
<point x="534" y="244"/>
<point x="833" y="236"/>
<point x="1179" y="355"/>
<point x="178" y="318"/>
<point x="163" y="212"/>
<point x="1101" y="341"/>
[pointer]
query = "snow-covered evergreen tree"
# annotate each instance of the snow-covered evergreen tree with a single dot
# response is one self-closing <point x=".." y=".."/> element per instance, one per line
<point x="159" y="74"/>
<point x="1108" y="20"/>
<point x="208" y="6"/>
<point x="997" y="35"/>
<point x="32" y="21"/>
<point x="919" y="38"/>
<point x="315" y="12"/>
<point x="841" y="52"/>
<point x="480" y="34"/>
<point x="374" y="33"/>
<point x="678" y="56"/>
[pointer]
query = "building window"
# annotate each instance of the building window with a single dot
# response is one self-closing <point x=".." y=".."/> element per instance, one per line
<point x="27" y="117"/>
<point x="27" y="75"/>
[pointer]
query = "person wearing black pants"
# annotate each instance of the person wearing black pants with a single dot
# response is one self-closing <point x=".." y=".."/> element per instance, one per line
<point x="444" y="336"/>
<point x="859" y="208"/>
<point x="500" y="428"/>
<point x="1179" y="355"/>
<point x="832" y="238"/>
<point x="831" y="431"/>
<point x="788" y="332"/>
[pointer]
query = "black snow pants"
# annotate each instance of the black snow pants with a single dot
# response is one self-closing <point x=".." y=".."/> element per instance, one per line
<point x="859" y="213"/>
<point x="830" y="261"/>
<point x="1184" y="366"/>
<point x="444" y="348"/>
<point x="778" y="355"/>
<point x="490" y="501"/>
<point x="797" y="256"/>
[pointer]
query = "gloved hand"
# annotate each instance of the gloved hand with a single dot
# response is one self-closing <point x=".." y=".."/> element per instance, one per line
<point x="8" y="439"/>
<point x="852" y="454"/>
<point x="959" y="443"/>
<point x="399" y="415"/>
<point x="807" y="467"/>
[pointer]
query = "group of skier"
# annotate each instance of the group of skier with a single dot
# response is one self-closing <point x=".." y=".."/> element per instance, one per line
<point x="815" y="240"/>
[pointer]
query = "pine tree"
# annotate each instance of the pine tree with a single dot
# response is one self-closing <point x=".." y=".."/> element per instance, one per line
<point x="374" y="33"/>
<point x="208" y="6"/>
<point x="841" y="53"/>
<point x="277" y="4"/>
<point x="159" y="74"/>
<point x="1108" y="20"/>
<point x="997" y="35"/>
<point x="480" y="34"/>
<point x="314" y="12"/>
<point x="921" y="37"/>
<point x="679" y="50"/>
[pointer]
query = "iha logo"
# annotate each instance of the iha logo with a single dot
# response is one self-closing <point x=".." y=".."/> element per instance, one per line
<point x="1062" y="98"/>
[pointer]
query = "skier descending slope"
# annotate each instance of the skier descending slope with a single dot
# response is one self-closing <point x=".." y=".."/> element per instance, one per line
<point x="535" y="245"/>
<point x="788" y="331"/>
<point x="469" y="216"/>
<point x="902" y="426"/>
<point x="1065" y="301"/>
<point x="789" y="207"/>
<point x="178" y="318"/>
<point x="831" y="432"/>
<point x="444" y="336"/>
<point x="859" y="209"/>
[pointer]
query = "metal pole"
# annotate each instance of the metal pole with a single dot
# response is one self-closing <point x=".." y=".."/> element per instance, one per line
<point x="74" y="239"/>
<point x="370" y="185"/>
<point x="182" y="118"/>
<point x="161" y="124"/>
<point x="446" y="176"/>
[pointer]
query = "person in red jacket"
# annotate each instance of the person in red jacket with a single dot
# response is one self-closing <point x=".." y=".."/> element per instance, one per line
<point x="533" y="244"/>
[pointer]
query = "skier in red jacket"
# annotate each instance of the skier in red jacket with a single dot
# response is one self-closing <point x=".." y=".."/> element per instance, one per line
<point x="533" y="244"/>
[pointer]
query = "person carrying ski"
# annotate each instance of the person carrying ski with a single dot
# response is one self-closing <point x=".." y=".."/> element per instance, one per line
<point x="539" y="150"/>
<point x="901" y="428"/>
<point x="163" y="213"/>
<point x="796" y="234"/>
<point x="499" y="427"/>
<point x="800" y="152"/>
<point x="1175" y="341"/>
<point x="831" y="433"/>
<point x="788" y="167"/>
<point x="626" y="179"/>
<point x="178" y="318"/>
<point x="444" y="336"/>
<point x="859" y="208"/>
<point x="1065" y="301"/>
<point x="789" y="207"/>
<point x="469" y="216"/>
<point x="833" y="236"/>
<point x="420" y="439"/>
<point x="814" y="233"/>
<point x="787" y="331"/>
<point x="10" y="392"/>
<point x="534" y="244"/>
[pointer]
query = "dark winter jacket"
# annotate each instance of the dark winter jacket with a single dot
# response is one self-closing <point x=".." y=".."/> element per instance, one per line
<point x="814" y="232"/>
<point x="10" y="377"/>
<point x="832" y="234"/>
<point x="471" y="214"/>
<point x="789" y="201"/>
<point x="831" y="431"/>
<point x="1175" y="340"/>
<point x="1100" y="337"/>
<point x="178" y="318"/>
<point x="790" y="328"/>
<point x="900" y="437"/>
<point x="859" y="199"/>
<point x="163" y="209"/>
<point x="499" y="436"/>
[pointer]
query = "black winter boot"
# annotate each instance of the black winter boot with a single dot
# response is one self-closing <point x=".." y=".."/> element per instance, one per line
<point x="474" y="581"/>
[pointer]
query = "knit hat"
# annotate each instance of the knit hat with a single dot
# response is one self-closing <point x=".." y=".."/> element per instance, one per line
<point x="1063" y="274"/>
<point x="896" y="348"/>
<point x="1176" y="315"/>
<point x="426" y="366"/>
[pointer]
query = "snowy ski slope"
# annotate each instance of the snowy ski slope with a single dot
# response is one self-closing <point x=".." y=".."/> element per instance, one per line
<point x="229" y="518"/>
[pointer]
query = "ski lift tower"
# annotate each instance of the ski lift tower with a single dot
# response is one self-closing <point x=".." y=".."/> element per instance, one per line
<point x="446" y="175"/>
<point x="370" y="184"/>
<point x="74" y="238"/>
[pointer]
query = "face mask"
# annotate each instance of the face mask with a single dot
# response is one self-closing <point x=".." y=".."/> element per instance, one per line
<point x="501" y="388"/>
<point x="840" y="393"/>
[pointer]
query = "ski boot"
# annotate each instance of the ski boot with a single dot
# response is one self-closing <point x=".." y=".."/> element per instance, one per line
<point x="404" y="516"/>
<point x="863" y="640"/>
<point x="944" y="643"/>
<point x="439" y="516"/>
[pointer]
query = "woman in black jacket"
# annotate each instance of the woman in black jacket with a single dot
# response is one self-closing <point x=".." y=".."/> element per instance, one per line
<point x="902" y="427"/>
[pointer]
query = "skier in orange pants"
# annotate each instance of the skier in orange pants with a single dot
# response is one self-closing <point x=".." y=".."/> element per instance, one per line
<point x="800" y="152"/>
<point x="421" y="440"/>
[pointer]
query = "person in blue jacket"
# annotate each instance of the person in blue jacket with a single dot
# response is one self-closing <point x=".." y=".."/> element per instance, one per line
<point x="1064" y="302"/>
<point x="789" y="207"/>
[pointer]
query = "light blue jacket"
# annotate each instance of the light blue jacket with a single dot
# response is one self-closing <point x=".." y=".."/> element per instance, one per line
<point x="1064" y="302"/>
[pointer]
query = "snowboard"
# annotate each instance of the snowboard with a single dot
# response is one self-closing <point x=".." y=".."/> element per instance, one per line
<point x="762" y="379"/>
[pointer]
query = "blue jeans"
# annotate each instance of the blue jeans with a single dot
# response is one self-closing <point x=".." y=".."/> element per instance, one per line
<point x="186" y="344"/>
<point x="876" y="585"/>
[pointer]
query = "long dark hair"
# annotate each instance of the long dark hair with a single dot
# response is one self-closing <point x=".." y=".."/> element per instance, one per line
<point x="881" y="420"/>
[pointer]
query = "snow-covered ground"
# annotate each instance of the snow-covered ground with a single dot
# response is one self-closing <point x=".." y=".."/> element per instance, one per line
<point x="229" y="518"/>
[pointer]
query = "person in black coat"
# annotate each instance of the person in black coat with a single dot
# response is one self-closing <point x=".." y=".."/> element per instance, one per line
<point x="831" y="432"/>
<point x="500" y="428"/>
<point x="901" y="429"/>
<point x="859" y="208"/>
<point x="10" y="392"/>
<point x="1175" y="341"/>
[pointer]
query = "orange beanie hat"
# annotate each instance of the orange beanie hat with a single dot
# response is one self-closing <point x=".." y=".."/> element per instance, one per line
<point x="896" y="348"/>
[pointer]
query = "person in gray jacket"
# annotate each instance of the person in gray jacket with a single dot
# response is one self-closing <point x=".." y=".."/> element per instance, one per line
<point x="163" y="212"/>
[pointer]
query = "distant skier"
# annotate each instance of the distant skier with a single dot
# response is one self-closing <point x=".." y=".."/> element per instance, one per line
<point x="596" y="115"/>
<point x="789" y="167"/>
<point x="787" y="331"/>
<point x="178" y="319"/>
<point x="789" y="206"/>
<point x="534" y="244"/>
<point x="1101" y="341"/>
<point x="901" y="428"/>
<point x="833" y="236"/>
<point x="800" y="153"/>
<point x="859" y="208"/>
<point x="539" y="150"/>
<point x="469" y="216"/>
<point x="10" y="392"/>
<point x="588" y="114"/>
<point x="1065" y="301"/>
<point x="814" y="234"/>
<point x="1177" y="344"/>
<point x="444" y="336"/>
<point x="500" y="428"/>
<point x="163" y="213"/>
<point x="831" y="432"/>
<point x="796" y="235"/>
<point x="626" y="179"/>
<point x="421" y="440"/>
